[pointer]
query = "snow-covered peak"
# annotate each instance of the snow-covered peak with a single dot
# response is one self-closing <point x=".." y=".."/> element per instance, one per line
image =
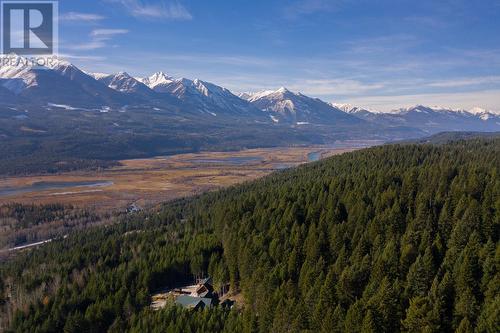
<point x="207" y="89"/>
<point x="123" y="75"/>
<point x="484" y="114"/>
<point x="58" y="63"/>
<point x="182" y="86"/>
<point x="121" y="82"/>
<point x="418" y="109"/>
<point x="158" y="79"/>
<point x="279" y="93"/>
<point x="18" y="73"/>
<point x="244" y="95"/>
<point x="352" y="109"/>
<point x="481" y="111"/>
<point x="285" y="91"/>
<point x="477" y="110"/>
<point x="297" y="109"/>
<point x="259" y="95"/>
<point x="14" y="66"/>
<point x="98" y="76"/>
<point x="349" y="108"/>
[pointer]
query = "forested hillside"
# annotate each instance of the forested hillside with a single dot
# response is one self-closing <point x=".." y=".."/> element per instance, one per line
<point x="22" y="224"/>
<point x="388" y="239"/>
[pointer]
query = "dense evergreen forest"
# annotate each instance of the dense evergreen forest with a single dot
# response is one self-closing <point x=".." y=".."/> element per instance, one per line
<point x="387" y="239"/>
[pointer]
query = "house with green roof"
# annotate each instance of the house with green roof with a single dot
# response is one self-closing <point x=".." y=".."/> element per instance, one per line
<point x="193" y="302"/>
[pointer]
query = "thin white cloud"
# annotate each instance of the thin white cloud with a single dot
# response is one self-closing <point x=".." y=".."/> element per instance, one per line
<point x="81" y="57"/>
<point x="323" y="87"/>
<point x="168" y="9"/>
<point x="108" y="33"/>
<point x="83" y="17"/>
<point x="465" y="82"/>
<point x="92" y="45"/>
<point x="230" y="60"/>
<point x="99" y="39"/>
<point x="427" y="21"/>
<point x="382" y="44"/>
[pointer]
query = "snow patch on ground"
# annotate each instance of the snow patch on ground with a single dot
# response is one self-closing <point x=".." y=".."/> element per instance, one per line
<point x="62" y="106"/>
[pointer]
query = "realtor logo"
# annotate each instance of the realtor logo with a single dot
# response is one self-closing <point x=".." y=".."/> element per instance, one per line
<point x="29" y="27"/>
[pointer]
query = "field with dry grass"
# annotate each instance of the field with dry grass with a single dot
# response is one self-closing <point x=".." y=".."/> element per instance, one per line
<point x="146" y="182"/>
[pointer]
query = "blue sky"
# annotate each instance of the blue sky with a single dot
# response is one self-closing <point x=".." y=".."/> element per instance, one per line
<point x="380" y="54"/>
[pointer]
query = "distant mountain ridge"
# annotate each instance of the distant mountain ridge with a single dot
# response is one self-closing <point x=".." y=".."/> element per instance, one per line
<point x="26" y="85"/>
<point x="431" y="119"/>
<point x="63" y="83"/>
<point x="285" y="106"/>
<point x="58" y="82"/>
<point x="206" y="96"/>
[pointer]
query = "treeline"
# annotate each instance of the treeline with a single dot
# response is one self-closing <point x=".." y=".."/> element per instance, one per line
<point x="401" y="238"/>
<point x="449" y="137"/>
<point x="41" y="163"/>
<point x="21" y="224"/>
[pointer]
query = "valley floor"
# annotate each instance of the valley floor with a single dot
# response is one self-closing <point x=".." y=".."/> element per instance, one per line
<point x="141" y="183"/>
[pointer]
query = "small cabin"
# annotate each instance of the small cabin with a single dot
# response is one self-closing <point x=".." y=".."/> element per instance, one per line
<point x="201" y="296"/>
<point x="204" y="288"/>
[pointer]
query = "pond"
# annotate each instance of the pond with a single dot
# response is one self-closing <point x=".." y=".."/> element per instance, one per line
<point x="314" y="156"/>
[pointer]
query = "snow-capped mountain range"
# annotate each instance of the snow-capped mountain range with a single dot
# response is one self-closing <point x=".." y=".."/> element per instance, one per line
<point x="431" y="119"/>
<point x="62" y="83"/>
<point x="206" y="96"/>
